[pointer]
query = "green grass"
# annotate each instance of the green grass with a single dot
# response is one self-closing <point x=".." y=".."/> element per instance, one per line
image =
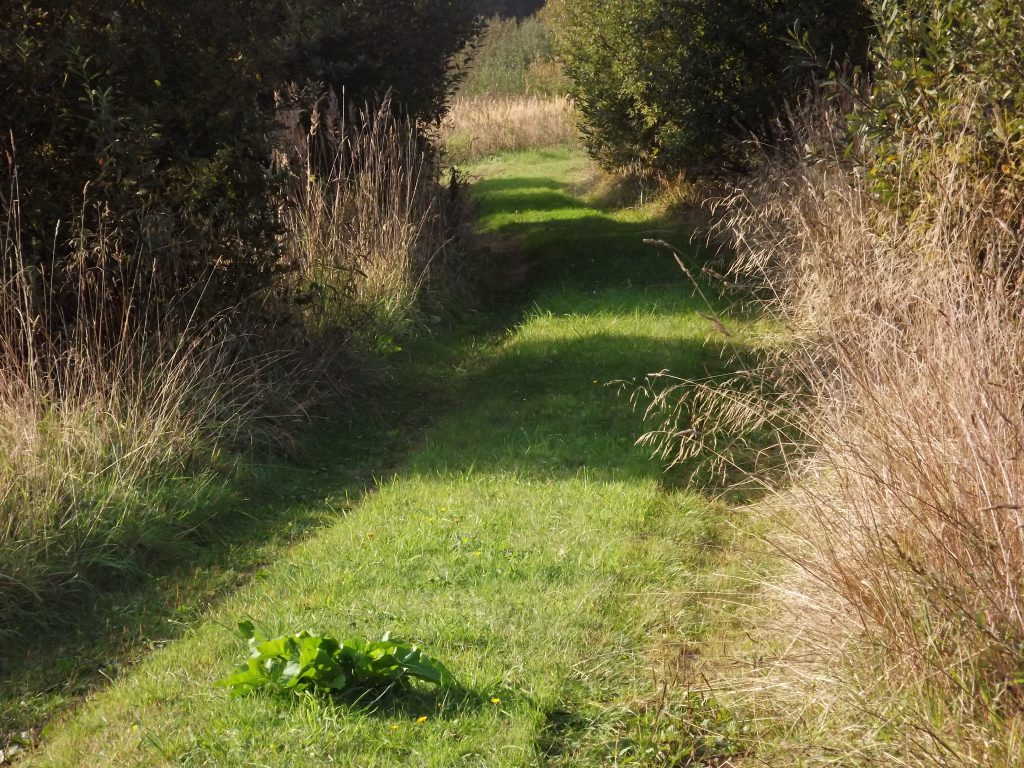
<point x="525" y="541"/>
<point x="171" y="578"/>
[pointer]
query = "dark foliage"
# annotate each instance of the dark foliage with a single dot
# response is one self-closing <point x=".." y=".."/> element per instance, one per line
<point x="152" y="119"/>
<point x="362" y="48"/>
<point x="143" y="115"/>
<point x="509" y="9"/>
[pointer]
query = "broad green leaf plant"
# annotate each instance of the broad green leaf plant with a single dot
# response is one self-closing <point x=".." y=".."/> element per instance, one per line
<point x="308" y="662"/>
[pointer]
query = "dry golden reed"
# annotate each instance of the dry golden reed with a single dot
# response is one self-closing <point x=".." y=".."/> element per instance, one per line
<point x="371" y="226"/>
<point x="898" y="399"/>
<point x="478" y="127"/>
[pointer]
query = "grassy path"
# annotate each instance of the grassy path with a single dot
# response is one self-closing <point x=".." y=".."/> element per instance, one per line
<point x="525" y="542"/>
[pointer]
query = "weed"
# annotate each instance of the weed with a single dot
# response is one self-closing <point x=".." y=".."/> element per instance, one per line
<point x="308" y="662"/>
<point x="371" y="227"/>
<point x="698" y="731"/>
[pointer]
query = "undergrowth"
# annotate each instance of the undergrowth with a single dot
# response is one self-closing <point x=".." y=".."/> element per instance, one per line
<point x="133" y="424"/>
<point x="897" y="400"/>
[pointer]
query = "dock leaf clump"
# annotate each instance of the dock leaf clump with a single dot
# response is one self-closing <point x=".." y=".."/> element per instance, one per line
<point x="308" y="662"/>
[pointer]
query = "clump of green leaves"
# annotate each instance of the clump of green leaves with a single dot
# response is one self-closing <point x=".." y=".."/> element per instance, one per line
<point x="307" y="662"/>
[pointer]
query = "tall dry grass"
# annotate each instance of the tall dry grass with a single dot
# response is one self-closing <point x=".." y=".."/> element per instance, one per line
<point x="122" y="428"/>
<point x="479" y="127"/>
<point x="110" y="427"/>
<point x="901" y="387"/>
<point x="371" y="226"/>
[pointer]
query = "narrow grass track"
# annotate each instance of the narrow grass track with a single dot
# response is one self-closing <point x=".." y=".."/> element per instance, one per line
<point x="526" y="542"/>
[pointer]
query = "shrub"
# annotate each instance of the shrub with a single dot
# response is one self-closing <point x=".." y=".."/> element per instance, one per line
<point x="148" y="112"/>
<point x="363" y="49"/>
<point x="664" y="86"/>
<point x="931" y="59"/>
<point x="158" y="113"/>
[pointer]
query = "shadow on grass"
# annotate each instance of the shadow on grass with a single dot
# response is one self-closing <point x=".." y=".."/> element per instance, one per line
<point x="561" y="727"/>
<point x="404" y="704"/>
<point x="71" y="642"/>
<point x="547" y="409"/>
<point x="554" y="409"/>
<point x="541" y="408"/>
<point x="554" y="406"/>
<point x="441" y="703"/>
<point x="579" y="245"/>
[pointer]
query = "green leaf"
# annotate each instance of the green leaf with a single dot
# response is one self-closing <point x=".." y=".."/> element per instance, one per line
<point x="305" y="661"/>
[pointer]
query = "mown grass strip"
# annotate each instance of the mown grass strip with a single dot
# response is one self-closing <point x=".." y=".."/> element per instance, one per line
<point x="524" y="543"/>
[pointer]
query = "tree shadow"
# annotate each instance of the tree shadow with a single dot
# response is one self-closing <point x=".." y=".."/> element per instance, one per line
<point x="556" y="407"/>
<point x="559" y="417"/>
<point x="81" y="638"/>
<point x="408" y="704"/>
<point x="599" y="248"/>
<point x="549" y="407"/>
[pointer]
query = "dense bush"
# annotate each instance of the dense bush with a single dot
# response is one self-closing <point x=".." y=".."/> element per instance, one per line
<point x="663" y="85"/>
<point x="945" y="72"/>
<point x="139" y="181"/>
<point x="363" y="48"/>
<point x="152" y="118"/>
<point x="149" y="114"/>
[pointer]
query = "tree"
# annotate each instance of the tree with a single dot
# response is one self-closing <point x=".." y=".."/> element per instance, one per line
<point x="367" y="47"/>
